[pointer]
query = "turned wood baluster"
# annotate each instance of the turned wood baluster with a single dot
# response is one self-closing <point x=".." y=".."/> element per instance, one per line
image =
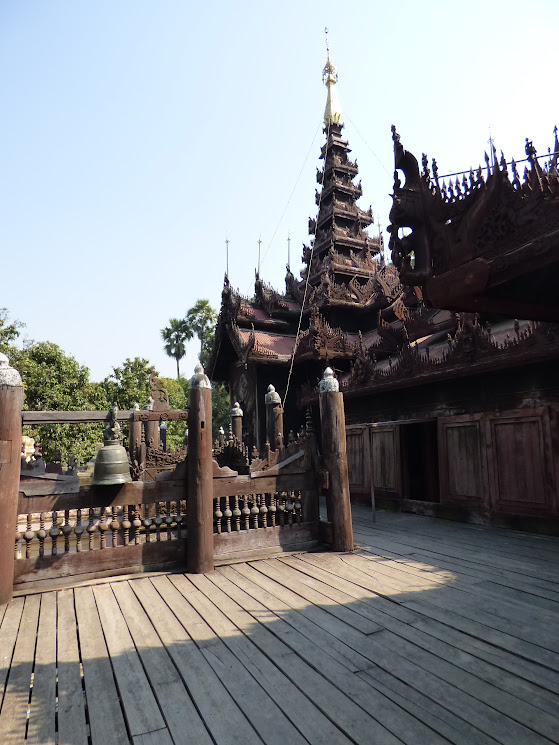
<point x="227" y="514"/>
<point x="91" y="528"/>
<point x="263" y="511"/>
<point x="66" y="530"/>
<point x="136" y="524"/>
<point x="237" y="513"/>
<point x="272" y="509"/>
<point x="54" y="532"/>
<point x="42" y="534"/>
<point x="78" y="530"/>
<point x="246" y="512"/>
<point x="297" y="506"/>
<point x="19" y="536"/>
<point x="126" y="524"/>
<point x="158" y="521"/>
<point x="148" y="522"/>
<point x="28" y="536"/>
<point x="289" y="508"/>
<point x="218" y="514"/>
<point x="281" y="509"/>
<point x="178" y="517"/>
<point x="168" y="520"/>
<point x="103" y="527"/>
<point x="254" y="511"/>
<point x="114" y="525"/>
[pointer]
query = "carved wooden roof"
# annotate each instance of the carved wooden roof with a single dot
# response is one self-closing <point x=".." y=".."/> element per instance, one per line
<point x="479" y="242"/>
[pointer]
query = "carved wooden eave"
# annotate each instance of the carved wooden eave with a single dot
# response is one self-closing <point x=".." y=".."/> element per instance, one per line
<point x="470" y="352"/>
<point x="320" y="341"/>
<point x="479" y="243"/>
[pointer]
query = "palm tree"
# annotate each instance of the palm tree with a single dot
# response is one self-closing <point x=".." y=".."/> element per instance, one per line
<point x="201" y="320"/>
<point x="175" y="335"/>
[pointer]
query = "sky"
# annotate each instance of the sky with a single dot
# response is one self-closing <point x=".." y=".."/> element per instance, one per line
<point x="137" y="135"/>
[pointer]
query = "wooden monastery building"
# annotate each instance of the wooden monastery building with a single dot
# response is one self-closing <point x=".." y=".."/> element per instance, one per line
<point x="451" y="400"/>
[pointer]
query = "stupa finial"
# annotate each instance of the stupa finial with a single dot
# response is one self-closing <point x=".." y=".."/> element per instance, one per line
<point x="333" y="111"/>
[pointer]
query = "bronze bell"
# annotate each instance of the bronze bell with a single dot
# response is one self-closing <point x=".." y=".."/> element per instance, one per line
<point x="111" y="462"/>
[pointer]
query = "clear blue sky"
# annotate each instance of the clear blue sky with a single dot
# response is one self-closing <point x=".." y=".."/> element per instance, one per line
<point x="136" y="134"/>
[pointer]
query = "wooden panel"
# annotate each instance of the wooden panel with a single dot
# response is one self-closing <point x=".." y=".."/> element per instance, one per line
<point x="520" y="459"/>
<point x="462" y="460"/>
<point x="385" y="459"/>
<point x="286" y="538"/>
<point x="144" y="557"/>
<point x="358" y="464"/>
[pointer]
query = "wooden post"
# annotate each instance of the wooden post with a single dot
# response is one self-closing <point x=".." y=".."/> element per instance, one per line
<point x="274" y="419"/>
<point x="11" y="404"/>
<point x="332" y="425"/>
<point x="135" y="437"/>
<point x="199" y="497"/>
<point x="236" y="414"/>
<point x="151" y="428"/>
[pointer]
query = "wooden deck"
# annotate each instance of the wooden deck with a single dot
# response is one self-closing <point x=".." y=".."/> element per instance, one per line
<point x="431" y="632"/>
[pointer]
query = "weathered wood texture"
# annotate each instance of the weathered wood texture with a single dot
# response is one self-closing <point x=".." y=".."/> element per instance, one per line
<point x="489" y="464"/>
<point x="432" y="633"/>
<point x="11" y="401"/>
<point x="85" y="417"/>
<point x="332" y="423"/>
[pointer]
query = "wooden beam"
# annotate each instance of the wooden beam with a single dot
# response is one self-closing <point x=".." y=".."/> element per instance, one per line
<point x="89" y="417"/>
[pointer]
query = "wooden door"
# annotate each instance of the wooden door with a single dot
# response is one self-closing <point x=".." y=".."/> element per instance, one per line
<point x="358" y="459"/>
<point x="462" y="461"/>
<point x="386" y="459"/>
<point x="520" y="457"/>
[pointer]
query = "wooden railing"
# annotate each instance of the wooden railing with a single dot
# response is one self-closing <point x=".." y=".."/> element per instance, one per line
<point x="197" y="515"/>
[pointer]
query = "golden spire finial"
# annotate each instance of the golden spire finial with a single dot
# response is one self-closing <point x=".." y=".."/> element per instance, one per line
<point x="333" y="111"/>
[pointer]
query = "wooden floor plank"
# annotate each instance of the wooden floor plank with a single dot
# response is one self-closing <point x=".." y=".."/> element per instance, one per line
<point x="8" y="636"/>
<point x="160" y="737"/>
<point x="106" y="719"/>
<point x="71" y="705"/>
<point x="182" y="718"/>
<point x="219" y="712"/>
<point x="261" y="710"/>
<point x="391" y="717"/>
<point x="316" y="728"/>
<point x="42" y="716"/>
<point x="13" y="717"/>
<point x="140" y="707"/>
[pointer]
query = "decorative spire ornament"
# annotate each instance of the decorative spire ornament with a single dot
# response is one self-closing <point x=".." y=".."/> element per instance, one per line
<point x="333" y="111"/>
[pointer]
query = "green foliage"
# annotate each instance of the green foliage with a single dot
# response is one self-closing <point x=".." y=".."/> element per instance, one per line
<point x="175" y="335"/>
<point x="129" y="384"/>
<point x="201" y="319"/>
<point x="177" y="400"/>
<point x="221" y="406"/>
<point x="9" y="332"/>
<point x="54" y="381"/>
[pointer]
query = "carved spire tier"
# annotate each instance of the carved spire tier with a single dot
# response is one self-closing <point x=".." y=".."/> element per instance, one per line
<point x="342" y="250"/>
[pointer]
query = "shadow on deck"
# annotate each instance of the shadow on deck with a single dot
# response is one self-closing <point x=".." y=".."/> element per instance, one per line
<point x="430" y="632"/>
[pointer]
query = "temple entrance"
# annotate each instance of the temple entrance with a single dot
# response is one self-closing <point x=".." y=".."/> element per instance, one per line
<point x="420" y="461"/>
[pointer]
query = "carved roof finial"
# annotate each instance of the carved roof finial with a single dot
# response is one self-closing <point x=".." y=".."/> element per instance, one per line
<point x="333" y="111"/>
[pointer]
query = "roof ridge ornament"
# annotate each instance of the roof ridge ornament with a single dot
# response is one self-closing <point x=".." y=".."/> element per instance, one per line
<point x="333" y="111"/>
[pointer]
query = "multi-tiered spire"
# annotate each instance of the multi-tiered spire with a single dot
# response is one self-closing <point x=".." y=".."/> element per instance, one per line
<point x="341" y="262"/>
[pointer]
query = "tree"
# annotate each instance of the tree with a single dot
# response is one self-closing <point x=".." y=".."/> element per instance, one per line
<point x="221" y="406"/>
<point x="201" y="320"/>
<point x="129" y="384"/>
<point x="54" y="381"/>
<point x="9" y="332"/>
<point x="178" y="399"/>
<point x="175" y="335"/>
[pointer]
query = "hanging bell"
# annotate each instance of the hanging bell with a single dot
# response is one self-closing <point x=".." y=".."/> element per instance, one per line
<point x="111" y="462"/>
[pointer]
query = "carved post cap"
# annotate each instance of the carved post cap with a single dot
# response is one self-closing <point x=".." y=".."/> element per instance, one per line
<point x="9" y="375"/>
<point x="199" y="379"/>
<point x="329" y="382"/>
<point x="149" y="405"/>
<point x="136" y="407"/>
<point x="272" y="397"/>
<point x="236" y="410"/>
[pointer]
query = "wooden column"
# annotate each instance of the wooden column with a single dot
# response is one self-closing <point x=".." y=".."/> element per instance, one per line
<point x="11" y="404"/>
<point x="274" y="419"/>
<point x="332" y="425"/>
<point x="135" y="436"/>
<point x="237" y="421"/>
<point x="151" y="428"/>
<point x="199" y="497"/>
